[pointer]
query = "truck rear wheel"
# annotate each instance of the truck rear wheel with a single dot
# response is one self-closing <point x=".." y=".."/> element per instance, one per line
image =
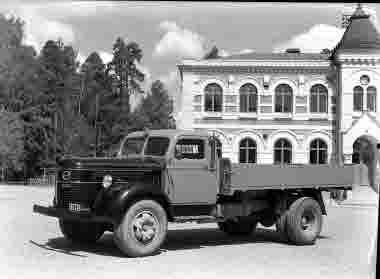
<point x="81" y="232"/>
<point x="239" y="227"/>
<point x="281" y="226"/>
<point x="142" y="230"/>
<point x="304" y="221"/>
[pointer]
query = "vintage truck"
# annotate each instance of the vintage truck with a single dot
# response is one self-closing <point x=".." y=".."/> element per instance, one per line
<point x="162" y="176"/>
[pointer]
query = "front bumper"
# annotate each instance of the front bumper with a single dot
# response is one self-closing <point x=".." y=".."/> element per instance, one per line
<point x="63" y="213"/>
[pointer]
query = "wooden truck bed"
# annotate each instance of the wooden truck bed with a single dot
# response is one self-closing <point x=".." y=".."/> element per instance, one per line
<point x="258" y="177"/>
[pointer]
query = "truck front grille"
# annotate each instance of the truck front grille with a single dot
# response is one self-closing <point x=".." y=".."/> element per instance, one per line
<point x="77" y="193"/>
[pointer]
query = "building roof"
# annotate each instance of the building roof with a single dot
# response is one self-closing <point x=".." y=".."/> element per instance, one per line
<point x="277" y="56"/>
<point x="361" y="34"/>
<point x="167" y="132"/>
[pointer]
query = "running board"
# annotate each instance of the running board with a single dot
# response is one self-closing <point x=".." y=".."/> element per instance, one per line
<point x="198" y="219"/>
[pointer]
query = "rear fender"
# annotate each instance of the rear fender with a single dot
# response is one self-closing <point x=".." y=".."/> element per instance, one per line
<point x="120" y="201"/>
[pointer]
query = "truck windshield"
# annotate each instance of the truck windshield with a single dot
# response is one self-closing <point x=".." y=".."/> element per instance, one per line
<point x="132" y="146"/>
<point x="157" y="146"/>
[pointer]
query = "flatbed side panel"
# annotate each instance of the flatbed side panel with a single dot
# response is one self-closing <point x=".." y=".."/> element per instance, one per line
<point x="257" y="177"/>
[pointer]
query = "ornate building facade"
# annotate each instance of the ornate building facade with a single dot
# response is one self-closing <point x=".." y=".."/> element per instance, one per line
<point x="289" y="107"/>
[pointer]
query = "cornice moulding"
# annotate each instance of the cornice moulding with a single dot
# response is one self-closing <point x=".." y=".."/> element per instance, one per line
<point x="256" y="63"/>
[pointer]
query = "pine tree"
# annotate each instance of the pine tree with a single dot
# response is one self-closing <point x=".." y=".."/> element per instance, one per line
<point x="60" y="90"/>
<point x="19" y="91"/>
<point x="126" y="78"/>
<point x="11" y="143"/>
<point x="155" y="110"/>
<point x="96" y="96"/>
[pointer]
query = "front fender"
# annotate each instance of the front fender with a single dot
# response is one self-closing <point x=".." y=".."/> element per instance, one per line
<point x="118" y="199"/>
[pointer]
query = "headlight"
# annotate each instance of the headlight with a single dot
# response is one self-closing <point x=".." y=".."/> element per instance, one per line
<point x="107" y="181"/>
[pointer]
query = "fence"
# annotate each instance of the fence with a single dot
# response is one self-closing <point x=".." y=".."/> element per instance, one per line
<point x="46" y="180"/>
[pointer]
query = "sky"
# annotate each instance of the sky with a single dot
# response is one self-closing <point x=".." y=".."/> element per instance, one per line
<point x="170" y="31"/>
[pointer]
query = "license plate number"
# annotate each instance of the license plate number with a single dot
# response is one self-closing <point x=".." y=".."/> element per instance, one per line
<point x="75" y="207"/>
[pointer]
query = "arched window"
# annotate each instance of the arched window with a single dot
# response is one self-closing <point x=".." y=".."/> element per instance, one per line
<point x="282" y="152"/>
<point x="248" y="98"/>
<point x="247" y="151"/>
<point x="358" y="98"/>
<point x="283" y="98"/>
<point x="318" y="152"/>
<point x="218" y="148"/>
<point x="213" y="97"/>
<point x="371" y="98"/>
<point x="356" y="152"/>
<point x="318" y="99"/>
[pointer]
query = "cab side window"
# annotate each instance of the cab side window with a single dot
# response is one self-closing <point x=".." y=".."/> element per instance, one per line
<point x="190" y="149"/>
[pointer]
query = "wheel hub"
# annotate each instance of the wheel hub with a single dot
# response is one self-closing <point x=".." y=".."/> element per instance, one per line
<point x="307" y="221"/>
<point x="145" y="226"/>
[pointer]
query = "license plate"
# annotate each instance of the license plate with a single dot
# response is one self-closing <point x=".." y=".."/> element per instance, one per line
<point x="75" y="207"/>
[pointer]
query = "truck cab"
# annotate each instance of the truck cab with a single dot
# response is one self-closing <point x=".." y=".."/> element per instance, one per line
<point x="189" y="159"/>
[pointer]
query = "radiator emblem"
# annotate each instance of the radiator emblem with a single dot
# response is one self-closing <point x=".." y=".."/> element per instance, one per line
<point x="66" y="175"/>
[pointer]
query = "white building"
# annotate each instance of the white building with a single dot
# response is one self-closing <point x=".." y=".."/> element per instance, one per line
<point x="288" y="107"/>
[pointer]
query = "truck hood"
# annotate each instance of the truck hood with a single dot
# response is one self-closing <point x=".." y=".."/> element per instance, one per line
<point x="141" y="162"/>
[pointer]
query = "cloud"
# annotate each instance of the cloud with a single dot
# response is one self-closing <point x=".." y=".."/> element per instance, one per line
<point x="38" y="28"/>
<point x="223" y="53"/>
<point x="80" y="58"/>
<point x="179" y="42"/>
<point x="105" y="56"/>
<point x="171" y="81"/>
<point x="147" y="76"/>
<point x="172" y="84"/>
<point x="317" y="38"/>
<point x="373" y="16"/>
<point x="246" y="50"/>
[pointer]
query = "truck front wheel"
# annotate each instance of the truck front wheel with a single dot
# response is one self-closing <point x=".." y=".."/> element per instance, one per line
<point x="81" y="232"/>
<point x="304" y="221"/>
<point x="237" y="227"/>
<point x="142" y="230"/>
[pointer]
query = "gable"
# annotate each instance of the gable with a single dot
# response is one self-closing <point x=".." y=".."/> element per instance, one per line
<point x="365" y="125"/>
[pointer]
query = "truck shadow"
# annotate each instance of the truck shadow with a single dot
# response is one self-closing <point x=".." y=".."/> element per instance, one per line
<point x="201" y="238"/>
<point x="178" y="239"/>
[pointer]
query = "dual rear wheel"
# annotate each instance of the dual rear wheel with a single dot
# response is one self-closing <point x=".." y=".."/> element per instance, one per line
<point x="301" y="224"/>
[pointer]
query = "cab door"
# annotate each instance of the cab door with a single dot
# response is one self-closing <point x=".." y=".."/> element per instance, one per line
<point x="194" y="182"/>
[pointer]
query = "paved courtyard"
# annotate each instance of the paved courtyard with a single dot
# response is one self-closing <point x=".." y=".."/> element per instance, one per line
<point x="31" y="246"/>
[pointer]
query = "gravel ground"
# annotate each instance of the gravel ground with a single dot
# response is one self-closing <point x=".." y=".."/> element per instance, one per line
<point x="33" y="247"/>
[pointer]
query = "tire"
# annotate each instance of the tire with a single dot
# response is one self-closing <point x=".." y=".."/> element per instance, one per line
<point x="240" y="227"/>
<point x="304" y="221"/>
<point x="81" y="232"/>
<point x="142" y="230"/>
<point x="281" y="226"/>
